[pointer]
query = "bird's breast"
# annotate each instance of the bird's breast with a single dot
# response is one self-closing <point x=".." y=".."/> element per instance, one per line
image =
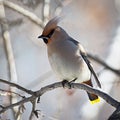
<point x="67" y="64"/>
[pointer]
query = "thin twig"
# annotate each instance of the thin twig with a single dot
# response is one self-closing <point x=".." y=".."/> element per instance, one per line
<point x="8" y="46"/>
<point x="59" y="7"/>
<point x="7" y="92"/>
<point x="45" y="89"/>
<point x="98" y="60"/>
<point x="46" y="11"/>
<point x="33" y="111"/>
<point x="24" y="12"/>
<point x="17" y="86"/>
<point x="9" y="52"/>
<point x="21" y="109"/>
<point x="16" y="22"/>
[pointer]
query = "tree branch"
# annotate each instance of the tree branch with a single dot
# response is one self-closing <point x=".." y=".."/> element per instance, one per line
<point x="9" y="51"/>
<point x="115" y="115"/>
<point x="7" y="92"/>
<point x="50" y="87"/>
<point x="17" y="86"/>
<point x="98" y="60"/>
<point x="24" y="12"/>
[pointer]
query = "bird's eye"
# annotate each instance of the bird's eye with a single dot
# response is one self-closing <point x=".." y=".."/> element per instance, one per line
<point x="45" y="40"/>
<point x="51" y="33"/>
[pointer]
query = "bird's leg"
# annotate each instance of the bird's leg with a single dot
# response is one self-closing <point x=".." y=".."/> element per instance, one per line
<point x="72" y="81"/>
<point x="67" y="82"/>
<point x="64" y="82"/>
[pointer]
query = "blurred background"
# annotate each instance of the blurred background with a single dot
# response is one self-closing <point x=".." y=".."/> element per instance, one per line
<point x="23" y="57"/>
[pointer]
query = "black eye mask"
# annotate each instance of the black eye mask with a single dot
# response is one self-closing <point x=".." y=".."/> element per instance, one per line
<point x="51" y="33"/>
<point x="45" y="40"/>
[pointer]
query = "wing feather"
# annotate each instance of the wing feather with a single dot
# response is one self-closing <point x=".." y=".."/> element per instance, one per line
<point x="85" y="58"/>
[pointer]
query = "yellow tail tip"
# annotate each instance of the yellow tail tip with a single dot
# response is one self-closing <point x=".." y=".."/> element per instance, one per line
<point x="95" y="101"/>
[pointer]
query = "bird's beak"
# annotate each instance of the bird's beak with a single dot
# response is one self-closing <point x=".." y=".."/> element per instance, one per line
<point x="42" y="36"/>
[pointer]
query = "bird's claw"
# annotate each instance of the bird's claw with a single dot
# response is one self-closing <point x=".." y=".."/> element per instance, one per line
<point x="64" y="82"/>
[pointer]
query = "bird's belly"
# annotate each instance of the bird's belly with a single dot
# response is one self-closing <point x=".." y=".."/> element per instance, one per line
<point x="69" y="69"/>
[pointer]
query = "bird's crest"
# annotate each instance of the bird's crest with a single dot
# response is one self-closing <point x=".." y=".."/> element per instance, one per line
<point x="51" y="25"/>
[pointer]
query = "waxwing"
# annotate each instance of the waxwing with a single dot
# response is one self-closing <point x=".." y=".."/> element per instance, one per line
<point x="67" y="57"/>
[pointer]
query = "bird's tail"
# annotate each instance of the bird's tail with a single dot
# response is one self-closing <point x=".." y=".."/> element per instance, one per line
<point x="92" y="97"/>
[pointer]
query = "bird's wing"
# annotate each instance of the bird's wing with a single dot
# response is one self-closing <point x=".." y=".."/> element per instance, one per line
<point x="85" y="58"/>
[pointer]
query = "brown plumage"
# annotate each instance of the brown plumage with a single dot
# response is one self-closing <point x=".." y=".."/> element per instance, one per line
<point x="51" y="25"/>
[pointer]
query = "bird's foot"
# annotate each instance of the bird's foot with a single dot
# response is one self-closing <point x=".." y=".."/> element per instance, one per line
<point x="72" y="81"/>
<point x="64" y="82"/>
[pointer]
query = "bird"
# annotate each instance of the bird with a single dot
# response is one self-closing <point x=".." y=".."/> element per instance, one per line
<point x="67" y="57"/>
